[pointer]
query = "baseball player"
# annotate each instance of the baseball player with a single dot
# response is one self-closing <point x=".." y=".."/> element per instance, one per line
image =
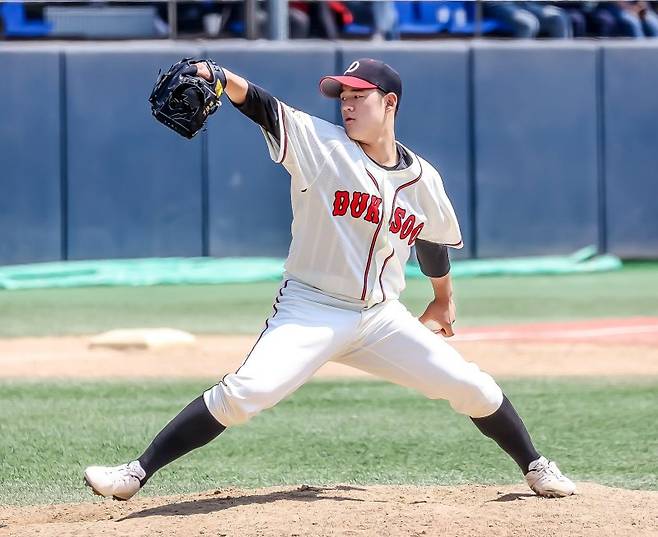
<point x="360" y="201"/>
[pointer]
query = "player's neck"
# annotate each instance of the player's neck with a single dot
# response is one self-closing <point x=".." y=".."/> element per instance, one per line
<point x="383" y="150"/>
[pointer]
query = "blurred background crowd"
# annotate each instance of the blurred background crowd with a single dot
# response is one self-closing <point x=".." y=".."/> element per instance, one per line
<point x="329" y="19"/>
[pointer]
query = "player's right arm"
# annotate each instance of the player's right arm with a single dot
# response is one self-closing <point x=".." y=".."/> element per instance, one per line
<point x="254" y="102"/>
<point x="236" y="86"/>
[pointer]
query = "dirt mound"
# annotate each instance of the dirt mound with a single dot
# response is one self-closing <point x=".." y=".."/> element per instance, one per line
<point x="501" y="510"/>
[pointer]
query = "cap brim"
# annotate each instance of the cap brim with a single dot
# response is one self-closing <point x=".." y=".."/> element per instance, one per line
<point x="331" y="86"/>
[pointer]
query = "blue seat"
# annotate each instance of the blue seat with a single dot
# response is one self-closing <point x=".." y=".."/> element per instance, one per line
<point x="414" y="18"/>
<point x="462" y="20"/>
<point x="406" y="13"/>
<point x="358" y="29"/>
<point x="419" y="17"/>
<point x="237" y="27"/>
<point x="17" y="25"/>
<point x="434" y="12"/>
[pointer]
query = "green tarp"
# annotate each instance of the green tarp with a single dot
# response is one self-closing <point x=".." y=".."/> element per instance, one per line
<point x="206" y="270"/>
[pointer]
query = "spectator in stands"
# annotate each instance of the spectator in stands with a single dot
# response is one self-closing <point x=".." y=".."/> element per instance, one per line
<point x="380" y="15"/>
<point x="589" y="18"/>
<point x="299" y="22"/>
<point x="326" y="18"/>
<point x="576" y="13"/>
<point x="386" y="20"/>
<point x="191" y="17"/>
<point x="634" y="19"/>
<point x="530" y="19"/>
<point x="600" y="22"/>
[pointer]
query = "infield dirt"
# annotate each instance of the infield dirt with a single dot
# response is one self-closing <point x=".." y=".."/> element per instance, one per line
<point x="578" y="349"/>
<point x="306" y="511"/>
<point x="472" y="510"/>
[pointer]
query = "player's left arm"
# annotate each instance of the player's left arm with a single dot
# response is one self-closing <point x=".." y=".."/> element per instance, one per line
<point x="434" y="262"/>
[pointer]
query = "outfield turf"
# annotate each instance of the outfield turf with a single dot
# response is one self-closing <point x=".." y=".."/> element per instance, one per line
<point x="242" y="308"/>
<point x="328" y="432"/>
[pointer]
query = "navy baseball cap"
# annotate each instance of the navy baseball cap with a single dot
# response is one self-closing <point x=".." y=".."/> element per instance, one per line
<point x="364" y="73"/>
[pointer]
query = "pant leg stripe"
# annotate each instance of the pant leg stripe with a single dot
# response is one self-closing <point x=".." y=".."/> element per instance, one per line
<point x="267" y="325"/>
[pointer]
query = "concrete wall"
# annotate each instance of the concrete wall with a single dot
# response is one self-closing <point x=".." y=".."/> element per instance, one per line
<point x="30" y="157"/>
<point x="543" y="147"/>
<point x="630" y="148"/>
<point x="536" y="129"/>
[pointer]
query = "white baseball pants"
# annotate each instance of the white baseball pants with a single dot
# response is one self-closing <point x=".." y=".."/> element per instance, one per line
<point x="309" y="328"/>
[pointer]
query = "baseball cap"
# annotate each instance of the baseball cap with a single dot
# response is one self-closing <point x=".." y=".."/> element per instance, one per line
<point x="364" y="73"/>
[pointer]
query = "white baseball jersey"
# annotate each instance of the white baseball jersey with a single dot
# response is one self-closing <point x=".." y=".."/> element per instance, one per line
<point x="354" y="222"/>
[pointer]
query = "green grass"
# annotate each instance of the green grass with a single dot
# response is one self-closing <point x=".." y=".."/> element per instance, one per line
<point x="242" y="308"/>
<point x="328" y="432"/>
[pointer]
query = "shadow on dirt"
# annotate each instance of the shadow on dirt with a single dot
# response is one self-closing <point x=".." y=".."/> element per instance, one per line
<point x="211" y="505"/>
<point x="512" y="496"/>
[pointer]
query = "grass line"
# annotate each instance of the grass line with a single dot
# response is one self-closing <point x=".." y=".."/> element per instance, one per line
<point x="242" y="308"/>
<point x="327" y="432"/>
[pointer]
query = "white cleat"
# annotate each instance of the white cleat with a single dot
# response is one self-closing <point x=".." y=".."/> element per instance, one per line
<point x="545" y="479"/>
<point x="120" y="482"/>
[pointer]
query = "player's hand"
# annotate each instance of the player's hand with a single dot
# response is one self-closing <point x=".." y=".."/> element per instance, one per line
<point x="439" y="317"/>
<point x="203" y="71"/>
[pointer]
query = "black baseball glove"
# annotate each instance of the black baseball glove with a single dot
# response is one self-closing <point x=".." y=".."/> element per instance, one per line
<point x="183" y="101"/>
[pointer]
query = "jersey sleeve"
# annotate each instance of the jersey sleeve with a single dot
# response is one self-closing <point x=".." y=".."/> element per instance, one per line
<point x="302" y="146"/>
<point x="262" y="108"/>
<point x="433" y="258"/>
<point x="442" y="226"/>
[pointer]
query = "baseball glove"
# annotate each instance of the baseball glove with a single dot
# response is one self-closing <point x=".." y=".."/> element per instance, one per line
<point x="183" y="101"/>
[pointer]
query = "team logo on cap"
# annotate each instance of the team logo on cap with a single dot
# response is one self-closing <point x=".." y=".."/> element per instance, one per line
<point x="353" y="67"/>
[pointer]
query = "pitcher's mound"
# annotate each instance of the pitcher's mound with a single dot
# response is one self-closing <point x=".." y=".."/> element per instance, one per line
<point x="142" y="338"/>
<point x="306" y="511"/>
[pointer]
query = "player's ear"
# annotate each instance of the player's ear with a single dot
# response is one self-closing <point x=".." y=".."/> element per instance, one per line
<point x="391" y="100"/>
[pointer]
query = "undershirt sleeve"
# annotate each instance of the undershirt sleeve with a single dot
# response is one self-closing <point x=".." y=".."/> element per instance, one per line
<point x="261" y="107"/>
<point x="432" y="258"/>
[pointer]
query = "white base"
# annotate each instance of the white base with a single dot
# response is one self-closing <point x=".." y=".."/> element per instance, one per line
<point x="142" y="338"/>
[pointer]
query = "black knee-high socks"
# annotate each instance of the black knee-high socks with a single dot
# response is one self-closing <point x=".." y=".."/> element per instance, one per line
<point x="506" y="428"/>
<point x="195" y="426"/>
<point x="192" y="428"/>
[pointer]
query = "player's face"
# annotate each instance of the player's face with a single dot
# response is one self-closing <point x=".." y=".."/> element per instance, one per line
<point x="364" y="113"/>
